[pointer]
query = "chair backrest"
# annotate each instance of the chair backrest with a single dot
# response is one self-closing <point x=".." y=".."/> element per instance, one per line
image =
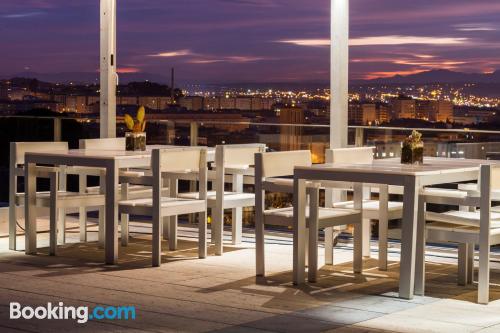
<point x="489" y="175"/>
<point x="189" y="159"/>
<point x="19" y="149"/>
<point x="358" y="155"/>
<point x="103" y="144"/>
<point x="238" y="155"/>
<point x="179" y="160"/>
<point x="281" y="164"/>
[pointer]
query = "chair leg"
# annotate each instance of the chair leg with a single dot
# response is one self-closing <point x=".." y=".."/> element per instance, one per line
<point x="156" y="250"/>
<point x="124" y="218"/>
<point x="54" y="212"/>
<point x="237" y="227"/>
<point x="259" y="248"/>
<point x="329" y="239"/>
<point x="82" y="217"/>
<point x="366" y="226"/>
<point x="166" y="227"/>
<point x="61" y="226"/>
<point x="383" y="225"/>
<point x="218" y="230"/>
<point x="358" y="248"/>
<point x="312" y="247"/>
<point x="470" y="263"/>
<point x="483" y="295"/>
<point x="463" y="261"/>
<point x="12" y="227"/>
<point x="202" y="230"/>
<point x="172" y="239"/>
<point x="53" y="228"/>
<point x="101" y="230"/>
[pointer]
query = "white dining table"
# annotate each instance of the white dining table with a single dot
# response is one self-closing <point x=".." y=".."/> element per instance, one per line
<point x="412" y="178"/>
<point x="110" y="160"/>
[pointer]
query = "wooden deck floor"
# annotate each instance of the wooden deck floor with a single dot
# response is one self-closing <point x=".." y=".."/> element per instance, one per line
<point x="221" y="294"/>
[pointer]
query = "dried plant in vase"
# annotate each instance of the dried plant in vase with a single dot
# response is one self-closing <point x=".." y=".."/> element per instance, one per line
<point x="136" y="139"/>
<point x="412" y="150"/>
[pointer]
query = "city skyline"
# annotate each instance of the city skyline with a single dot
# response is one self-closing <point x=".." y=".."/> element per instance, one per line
<point x="251" y="40"/>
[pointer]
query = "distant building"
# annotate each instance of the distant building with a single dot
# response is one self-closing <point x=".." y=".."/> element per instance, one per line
<point x="404" y="108"/>
<point x="290" y="136"/>
<point x="435" y="110"/>
<point x="192" y="103"/>
<point x="13" y="107"/>
<point x="383" y="114"/>
<point x="362" y="114"/>
<point x="237" y="103"/>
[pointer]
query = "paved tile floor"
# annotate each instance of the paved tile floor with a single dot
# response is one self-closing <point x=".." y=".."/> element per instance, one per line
<point x="221" y="294"/>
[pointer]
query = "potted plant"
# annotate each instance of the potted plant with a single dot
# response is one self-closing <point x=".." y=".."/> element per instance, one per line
<point x="412" y="150"/>
<point x="136" y="139"/>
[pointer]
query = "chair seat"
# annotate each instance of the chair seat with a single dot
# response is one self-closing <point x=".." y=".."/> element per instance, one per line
<point x="462" y="218"/>
<point x="284" y="216"/>
<point x="231" y="199"/>
<point x="135" y="191"/>
<point x="371" y="205"/>
<point x="169" y="206"/>
<point x="65" y="199"/>
<point x="444" y="192"/>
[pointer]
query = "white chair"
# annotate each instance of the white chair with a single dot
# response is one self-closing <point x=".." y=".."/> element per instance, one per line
<point x="270" y="170"/>
<point x="169" y="163"/>
<point x="232" y="164"/>
<point x="382" y="209"/>
<point x="130" y="185"/>
<point x="468" y="228"/>
<point x="57" y="200"/>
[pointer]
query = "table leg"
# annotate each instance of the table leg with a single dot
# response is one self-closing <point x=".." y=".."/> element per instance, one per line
<point x="111" y="215"/>
<point x="237" y="213"/>
<point x="30" y="208"/>
<point x="408" y="238"/>
<point x="82" y="211"/>
<point x="383" y="226"/>
<point x="124" y="218"/>
<point x="420" y="259"/>
<point x="299" y="230"/>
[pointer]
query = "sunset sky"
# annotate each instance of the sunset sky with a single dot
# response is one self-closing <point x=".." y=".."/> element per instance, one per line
<point x="215" y="41"/>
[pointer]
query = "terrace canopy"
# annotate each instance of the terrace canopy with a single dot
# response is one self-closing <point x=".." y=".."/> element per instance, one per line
<point x="339" y="62"/>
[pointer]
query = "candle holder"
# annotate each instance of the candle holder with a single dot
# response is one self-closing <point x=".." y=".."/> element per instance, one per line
<point x="412" y="149"/>
<point x="135" y="140"/>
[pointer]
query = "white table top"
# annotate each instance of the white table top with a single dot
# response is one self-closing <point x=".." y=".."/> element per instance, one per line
<point x="431" y="166"/>
<point x="115" y="154"/>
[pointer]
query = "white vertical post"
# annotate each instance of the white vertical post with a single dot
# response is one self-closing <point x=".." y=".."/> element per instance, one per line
<point x="339" y="73"/>
<point x="108" y="69"/>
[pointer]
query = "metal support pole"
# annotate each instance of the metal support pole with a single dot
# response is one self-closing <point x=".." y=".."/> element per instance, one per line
<point x="108" y="77"/>
<point x="339" y="73"/>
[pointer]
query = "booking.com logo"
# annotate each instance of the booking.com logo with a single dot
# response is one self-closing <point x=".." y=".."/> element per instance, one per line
<point x="81" y="314"/>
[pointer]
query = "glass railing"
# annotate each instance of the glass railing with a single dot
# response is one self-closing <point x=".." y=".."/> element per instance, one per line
<point x="452" y="143"/>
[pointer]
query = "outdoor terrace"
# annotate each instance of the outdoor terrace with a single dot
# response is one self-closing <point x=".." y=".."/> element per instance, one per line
<point x="222" y="294"/>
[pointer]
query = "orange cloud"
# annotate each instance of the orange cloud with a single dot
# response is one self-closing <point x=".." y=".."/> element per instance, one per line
<point x="128" y="70"/>
<point x="378" y="75"/>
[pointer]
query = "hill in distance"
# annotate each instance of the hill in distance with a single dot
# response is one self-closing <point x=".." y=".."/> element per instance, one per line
<point x="438" y="76"/>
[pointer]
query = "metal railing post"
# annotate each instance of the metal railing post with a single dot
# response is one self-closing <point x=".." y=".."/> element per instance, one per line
<point x="170" y="132"/>
<point x="57" y="129"/>
<point x="359" y="138"/>
<point x="193" y="133"/>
